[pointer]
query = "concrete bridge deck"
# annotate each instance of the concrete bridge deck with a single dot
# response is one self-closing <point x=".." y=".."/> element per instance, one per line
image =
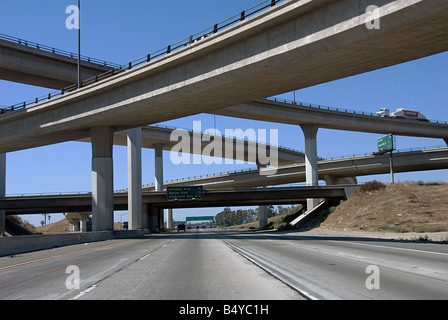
<point x="40" y="65"/>
<point x="158" y="199"/>
<point x="292" y="113"/>
<point x="279" y="50"/>
<point x="329" y="170"/>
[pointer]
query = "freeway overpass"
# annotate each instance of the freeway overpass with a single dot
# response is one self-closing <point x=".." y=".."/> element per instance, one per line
<point x="332" y="171"/>
<point x="40" y="65"/>
<point x="294" y="113"/>
<point x="155" y="202"/>
<point x="242" y="59"/>
<point x="329" y="169"/>
<point x="158" y="199"/>
<point x="158" y="137"/>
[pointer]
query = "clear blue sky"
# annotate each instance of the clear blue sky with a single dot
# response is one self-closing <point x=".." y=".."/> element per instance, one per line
<point x="121" y="31"/>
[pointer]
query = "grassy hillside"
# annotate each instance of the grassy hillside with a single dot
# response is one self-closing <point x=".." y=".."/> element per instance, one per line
<point x="403" y="207"/>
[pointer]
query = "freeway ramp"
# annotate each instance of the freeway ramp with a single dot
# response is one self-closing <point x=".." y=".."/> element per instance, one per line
<point x="310" y="215"/>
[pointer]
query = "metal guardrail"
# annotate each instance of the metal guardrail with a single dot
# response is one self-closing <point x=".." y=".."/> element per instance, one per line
<point x="148" y="58"/>
<point x="64" y="53"/>
<point x="245" y="139"/>
<point x="343" y="110"/>
<point x="405" y="150"/>
<point x="352" y="157"/>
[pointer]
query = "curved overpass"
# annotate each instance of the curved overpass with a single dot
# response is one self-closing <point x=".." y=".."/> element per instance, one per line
<point x="432" y="159"/>
<point x="367" y="165"/>
<point x="294" y="113"/>
<point x="278" y="50"/>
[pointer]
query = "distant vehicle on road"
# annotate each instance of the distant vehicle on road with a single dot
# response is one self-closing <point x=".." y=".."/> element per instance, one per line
<point x="181" y="227"/>
<point x="401" y="114"/>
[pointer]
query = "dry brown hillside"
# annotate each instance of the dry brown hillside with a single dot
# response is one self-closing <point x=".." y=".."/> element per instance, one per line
<point x="403" y="207"/>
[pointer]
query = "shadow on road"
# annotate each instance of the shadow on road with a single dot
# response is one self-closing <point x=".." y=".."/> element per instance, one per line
<point x="293" y="235"/>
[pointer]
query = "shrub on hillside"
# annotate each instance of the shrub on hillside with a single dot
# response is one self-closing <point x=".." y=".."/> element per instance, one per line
<point x="372" y="186"/>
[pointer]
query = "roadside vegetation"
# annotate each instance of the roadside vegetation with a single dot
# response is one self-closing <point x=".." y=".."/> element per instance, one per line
<point x="400" y="208"/>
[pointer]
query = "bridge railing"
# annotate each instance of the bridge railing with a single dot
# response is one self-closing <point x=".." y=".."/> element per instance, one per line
<point x="348" y="157"/>
<point x="128" y="66"/>
<point x="344" y="110"/>
<point x="237" y="139"/>
<point x="60" y="52"/>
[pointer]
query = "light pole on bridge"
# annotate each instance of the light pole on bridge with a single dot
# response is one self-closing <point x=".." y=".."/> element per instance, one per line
<point x="79" y="44"/>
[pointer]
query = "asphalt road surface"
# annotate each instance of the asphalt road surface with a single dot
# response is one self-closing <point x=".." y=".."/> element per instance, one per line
<point x="230" y="265"/>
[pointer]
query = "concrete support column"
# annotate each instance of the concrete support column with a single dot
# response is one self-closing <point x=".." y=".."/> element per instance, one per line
<point x="135" y="179"/>
<point x="2" y="191"/>
<point x="78" y="220"/>
<point x="262" y="210"/>
<point x="263" y="216"/>
<point x="102" y="179"/>
<point x="145" y="214"/>
<point x="158" y="175"/>
<point x="169" y="219"/>
<point x="83" y="225"/>
<point x="154" y="218"/>
<point x="158" y="164"/>
<point x="311" y="164"/>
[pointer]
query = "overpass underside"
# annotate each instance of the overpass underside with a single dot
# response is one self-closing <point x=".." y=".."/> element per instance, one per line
<point x="328" y="170"/>
<point x="30" y="63"/>
<point x="155" y="202"/>
<point x="293" y="45"/>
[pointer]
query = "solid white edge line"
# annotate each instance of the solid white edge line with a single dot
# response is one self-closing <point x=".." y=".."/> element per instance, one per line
<point x="79" y="295"/>
<point x="396" y="248"/>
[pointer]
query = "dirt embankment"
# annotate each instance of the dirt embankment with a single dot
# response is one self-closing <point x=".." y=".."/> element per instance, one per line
<point x="399" y="208"/>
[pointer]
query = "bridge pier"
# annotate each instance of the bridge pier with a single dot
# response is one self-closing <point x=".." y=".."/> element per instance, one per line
<point x="158" y="164"/>
<point x="134" y="140"/>
<point x="155" y="218"/>
<point x="158" y="183"/>
<point x="169" y="219"/>
<point x="311" y="163"/>
<point x="263" y="216"/>
<point x="2" y="190"/>
<point x="102" y="179"/>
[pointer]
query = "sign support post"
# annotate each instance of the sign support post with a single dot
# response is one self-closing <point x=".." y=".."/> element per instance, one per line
<point x="385" y="145"/>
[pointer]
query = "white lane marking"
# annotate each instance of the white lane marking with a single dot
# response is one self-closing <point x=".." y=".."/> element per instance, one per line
<point x="79" y="295"/>
<point x="143" y="258"/>
<point x="397" y="248"/>
<point x="351" y="255"/>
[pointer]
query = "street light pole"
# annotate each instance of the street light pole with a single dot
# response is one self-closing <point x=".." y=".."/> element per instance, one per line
<point x="79" y="44"/>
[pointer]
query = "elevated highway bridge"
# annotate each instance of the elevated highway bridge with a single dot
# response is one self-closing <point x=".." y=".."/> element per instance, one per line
<point x="337" y="171"/>
<point x="36" y="64"/>
<point x="158" y="199"/>
<point x="277" y="50"/>
<point x="233" y="188"/>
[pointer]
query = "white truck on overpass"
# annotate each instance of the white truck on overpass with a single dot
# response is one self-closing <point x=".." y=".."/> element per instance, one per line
<point x="402" y="114"/>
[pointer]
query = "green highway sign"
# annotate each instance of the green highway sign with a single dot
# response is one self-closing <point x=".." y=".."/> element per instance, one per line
<point x="200" y="219"/>
<point x="184" y="193"/>
<point x="386" y="144"/>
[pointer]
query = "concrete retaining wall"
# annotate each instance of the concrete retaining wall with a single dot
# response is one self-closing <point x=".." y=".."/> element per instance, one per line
<point x="23" y="244"/>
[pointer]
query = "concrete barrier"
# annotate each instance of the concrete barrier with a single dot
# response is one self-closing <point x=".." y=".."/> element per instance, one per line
<point x="23" y="244"/>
